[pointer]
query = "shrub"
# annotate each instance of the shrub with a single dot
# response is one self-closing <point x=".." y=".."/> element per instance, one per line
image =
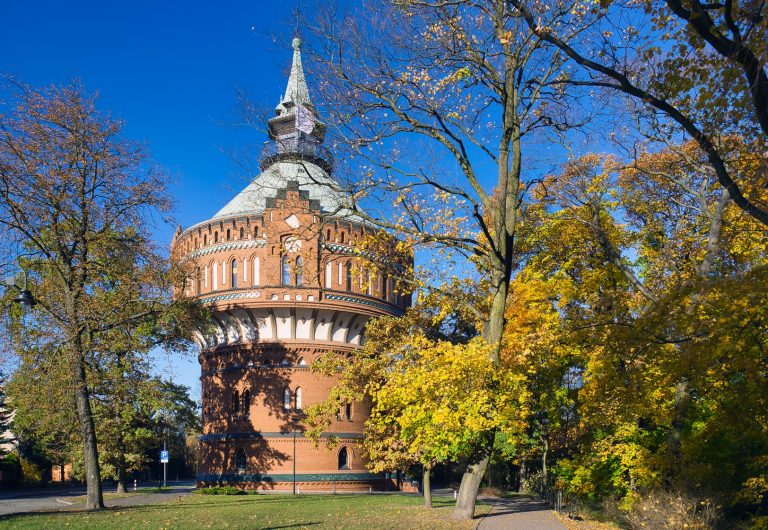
<point x="672" y="511"/>
<point x="31" y="474"/>
<point x="223" y="490"/>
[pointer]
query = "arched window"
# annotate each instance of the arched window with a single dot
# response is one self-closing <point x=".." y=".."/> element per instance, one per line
<point x="342" y="237"/>
<point x="329" y="275"/>
<point x="298" y="398"/>
<point x="348" y="411"/>
<point x="198" y="281"/>
<point x="299" y="271"/>
<point x="349" y="275"/>
<point x="287" y="399"/>
<point x="233" y="273"/>
<point x="242" y="232"/>
<point x="215" y="237"/>
<point x="343" y="458"/>
<point x="256" y="271"/>
<point x="205" y="239"/>
<point x="215" y="275"/>
<point x="285" y="270"/>
<point x="228" y="234"/>
<point x="241" y="461"/>
<point x="255" y="231"/>
<point x="246" y="403"/>
<point x="328" y="235"/>
<point x="235" y="402"/>
<point x="301" y="362"/>
<point x="368" y="284"/>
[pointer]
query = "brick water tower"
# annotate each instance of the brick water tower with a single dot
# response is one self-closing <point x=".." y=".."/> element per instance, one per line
<point x="281" y="270"/>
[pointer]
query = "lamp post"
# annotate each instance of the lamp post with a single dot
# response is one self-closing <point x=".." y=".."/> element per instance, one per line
<point x="294" y="459"/>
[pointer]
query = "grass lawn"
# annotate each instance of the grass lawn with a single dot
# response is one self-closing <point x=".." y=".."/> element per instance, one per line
<point x="261" y="511"/>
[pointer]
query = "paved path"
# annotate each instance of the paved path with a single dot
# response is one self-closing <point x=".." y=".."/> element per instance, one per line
<point x="519" y="513"/>
<point x="58" y="499"/>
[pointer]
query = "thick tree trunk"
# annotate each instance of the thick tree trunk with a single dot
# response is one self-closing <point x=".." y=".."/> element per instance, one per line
<point x="470" y="484"/>
<point x="427" y="487"/>
<point x="94" y="497"/>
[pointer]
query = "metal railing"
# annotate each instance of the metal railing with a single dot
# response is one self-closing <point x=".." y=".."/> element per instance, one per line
<point x="296" y="148"/>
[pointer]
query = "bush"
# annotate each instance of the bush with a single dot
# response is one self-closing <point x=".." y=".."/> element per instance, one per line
<point x="533" y="483"/>
<point x="31" y="474"/>
<point x="672" y="511"/>
<point x="492" y="491"/>
<point x="223" y="490"/>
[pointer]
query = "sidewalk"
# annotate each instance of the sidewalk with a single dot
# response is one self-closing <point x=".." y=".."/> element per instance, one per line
<point x="519" y="513"/>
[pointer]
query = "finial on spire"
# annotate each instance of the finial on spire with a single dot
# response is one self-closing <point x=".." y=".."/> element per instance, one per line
<point x="296" y="93"/>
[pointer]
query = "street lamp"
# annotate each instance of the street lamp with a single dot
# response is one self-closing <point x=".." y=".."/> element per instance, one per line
<point x="25" y="298"/>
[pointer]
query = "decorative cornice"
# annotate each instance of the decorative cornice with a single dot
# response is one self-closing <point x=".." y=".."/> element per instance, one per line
<point x="232" y="245"/>
<point x="364" y="301"/>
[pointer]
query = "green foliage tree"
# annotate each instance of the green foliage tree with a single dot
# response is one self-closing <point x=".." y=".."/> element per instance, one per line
<point x="76" y="201"/>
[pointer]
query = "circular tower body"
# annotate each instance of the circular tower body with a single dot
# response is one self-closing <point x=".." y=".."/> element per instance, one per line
<point x="281" y="271"/>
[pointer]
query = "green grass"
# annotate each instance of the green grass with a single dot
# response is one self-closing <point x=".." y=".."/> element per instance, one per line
<point x="354" y="512"/>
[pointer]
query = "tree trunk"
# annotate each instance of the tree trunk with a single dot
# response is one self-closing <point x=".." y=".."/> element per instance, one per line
<point x="121" y="476"/>
<point x="470" y="484"/>
<point x="427" y="486"/>
<point x="94" y="497"/>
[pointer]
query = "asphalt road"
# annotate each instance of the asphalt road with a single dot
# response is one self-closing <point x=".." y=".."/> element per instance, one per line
<point x="36" y="500"/>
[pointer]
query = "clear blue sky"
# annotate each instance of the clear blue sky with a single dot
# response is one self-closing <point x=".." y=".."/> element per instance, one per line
<point x="169" y="69"/>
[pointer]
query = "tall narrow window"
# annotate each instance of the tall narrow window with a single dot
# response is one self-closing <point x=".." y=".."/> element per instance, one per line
<point x="349" y="275"/>
<point x="368" y="283"/>
<point x="299" y="271"/>
<point x="235" y="402"/>
<point x="285" y="270"/>
<point x="215" y="275"/>
<point x="343" y="458"/>
<point x="246" y="403"/>
<point x="329" y="275"/>
<point x="229" y="234"/>
<point x="205" y="239"/>
<point x="384" y="285"/>
<point x="342" y="237"/>
<point x="348" y="411"/>
<point x="241" y="461"/>
<point x="255" y="231"/>
<point x="287" y="399"/>
<point x="242" y="233"/>
<point x="198" y="281"/>
<point x="328" y="235"/>
<point x="298" y="398"/>
<point x="215" y="237"/>
<point x="256" y="271"/>
<point x="233" y="273"/>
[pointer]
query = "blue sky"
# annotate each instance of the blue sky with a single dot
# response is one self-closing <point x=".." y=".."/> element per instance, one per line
<point x="170" y="70"/>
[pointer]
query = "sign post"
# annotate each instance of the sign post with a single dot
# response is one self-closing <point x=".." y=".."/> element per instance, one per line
<point x="164" y="461"/>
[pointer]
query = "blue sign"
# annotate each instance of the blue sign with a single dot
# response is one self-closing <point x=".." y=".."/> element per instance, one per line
<point x="163" y="457"/>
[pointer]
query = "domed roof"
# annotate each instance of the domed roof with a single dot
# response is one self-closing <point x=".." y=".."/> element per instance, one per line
<point x="319" y="187"/>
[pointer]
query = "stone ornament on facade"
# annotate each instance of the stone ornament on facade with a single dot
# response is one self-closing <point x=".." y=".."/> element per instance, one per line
<point x="278" y="268"/>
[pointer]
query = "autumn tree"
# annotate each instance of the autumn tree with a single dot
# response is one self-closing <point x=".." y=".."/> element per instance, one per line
<point x="413" y="82"/>
<point x="77" y="200"/>
<point x="430" y="390"/>
<point x="661" y="282"/>
<point x="688" y="67"/>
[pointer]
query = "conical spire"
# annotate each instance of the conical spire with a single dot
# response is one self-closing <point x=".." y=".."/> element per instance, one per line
<point x="296" y="93"/>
